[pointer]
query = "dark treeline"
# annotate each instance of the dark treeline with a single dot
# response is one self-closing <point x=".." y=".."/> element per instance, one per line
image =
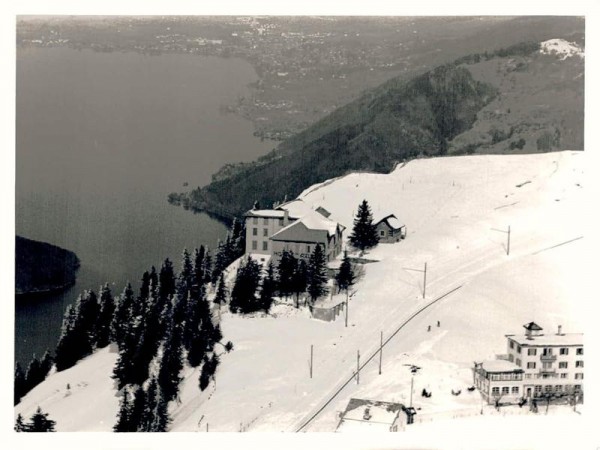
<point x="169" y="322"/>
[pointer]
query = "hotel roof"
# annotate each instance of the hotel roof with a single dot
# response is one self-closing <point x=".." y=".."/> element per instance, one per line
<point x="500" y="365"/>
<point x="567" y="339"/>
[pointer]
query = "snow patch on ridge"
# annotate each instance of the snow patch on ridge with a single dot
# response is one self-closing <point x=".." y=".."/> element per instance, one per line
<point x="561" y="48"/>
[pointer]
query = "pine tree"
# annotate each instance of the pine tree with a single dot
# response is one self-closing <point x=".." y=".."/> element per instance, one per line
<point x="33" y="374"/>
<point x="20" y="384"/>
<point x="317" y="277"/>
<point x="207" y="267"/>
<point x="285" y="270"/>
<point x="186" y="276"/>
<point x="40" y="422"/>
<point x="364" y="234"/>
<point x="300" y="280"/>
<point x="89" y="309"/>
<point x="45" y="365"/>
<point x="20" y="426"/>
<point x="105" y="317"/>
<point x="243" y="294"/>
<point x="222" y="259"/>
<point x="171" y="364"/>
<point x="268" y="289"/>
<point x="123" y="315"/>
<point x="124" y="415"/>
<point x="221" y="294"/>
<point x="155" y="416"/>
<point x="161" y="413"/>
<point x="345" y="276"/>
<point x="74" y="342"/>
<point x="145" y="286"/>
<point x="166" y="280"/>
<point x="199" y="264"/>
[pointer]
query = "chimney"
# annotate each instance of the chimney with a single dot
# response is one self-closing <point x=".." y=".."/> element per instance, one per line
<point x="559" y="330"/>
<point x="286" y="217"/>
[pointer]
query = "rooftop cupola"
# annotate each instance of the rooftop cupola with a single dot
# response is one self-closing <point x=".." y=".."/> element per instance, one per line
<point x="532" y="329"/>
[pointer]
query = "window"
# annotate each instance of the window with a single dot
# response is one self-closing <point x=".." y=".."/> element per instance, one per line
<point x="511" y="344"/>
<point x="532" y="351"/>
<point x="531" y="365"/>
<point x="254" y="231"/>
<point x="280" y="222"/>
<point x="558" y="388"/>
<point x="579" y="351"/>
<point x="254" y="245"/>
<point x="578" y="363"/>
<point x="563" y="365"/>
<point x="265" y="232"/>
<point x="515" y="389"/>
<point x="564" y="375"/>
<point x="308" y="249"/>
<point x="511" y="357"/>
<point x="547" y="352"/>
<point x="577" y="387"/>
<point x="266" y="245"/>
<point x="255" y="220"/>
<point x="495" y="377"/>
<point x="391" y="233"/>
<point x="505" y="390"/>
<point x="547" y="365"/>
<point x="538" y="389"/>
<point x="518" y="362"/>
<point x="548" y="388"/>
<point x="579" y="376"/>
<point x="495" y="391"/>
<point x="518" y="349"/>
<point x="564" y="351"/>
<point x="527" y="375"/>
<point x="382" y="233"/>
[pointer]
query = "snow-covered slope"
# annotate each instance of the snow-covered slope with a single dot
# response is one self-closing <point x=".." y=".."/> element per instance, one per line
<point x="452" y="208"/>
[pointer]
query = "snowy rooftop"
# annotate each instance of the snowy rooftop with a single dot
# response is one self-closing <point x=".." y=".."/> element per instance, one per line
<point x="499" y="365"/>
<point x="313" y="221"/>
<point x="369" y="414"/>
<point x="296" y="208"/>
<point x="547" y="339"/>
<point x="265" y="213"/>
<point x="391" y="219"/>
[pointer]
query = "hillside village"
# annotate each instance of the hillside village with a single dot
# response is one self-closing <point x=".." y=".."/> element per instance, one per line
<point x="451" y="209"/>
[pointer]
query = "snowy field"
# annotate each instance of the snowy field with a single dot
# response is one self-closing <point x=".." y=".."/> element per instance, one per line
<point x="452" y="208"/>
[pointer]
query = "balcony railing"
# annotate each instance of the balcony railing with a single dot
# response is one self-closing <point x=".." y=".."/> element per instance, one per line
<point x="548" y="371"/>
<point x="547" y="358"/>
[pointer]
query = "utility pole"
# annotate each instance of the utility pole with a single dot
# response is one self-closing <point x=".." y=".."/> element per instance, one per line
<point x="412" y="379"/>
<point x="380" y="352"/>
<point x="346" y="308"/>
<point x="358" y="367"/>
<point x="424" y="280"/>
<point x="311" y="360"/>
<point x="507" y="238"/>
<point x="424" y="276"/>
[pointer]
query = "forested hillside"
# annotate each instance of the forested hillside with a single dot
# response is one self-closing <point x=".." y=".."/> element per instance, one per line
<point x="42" y="267"/>
<point x="517" y="99"/>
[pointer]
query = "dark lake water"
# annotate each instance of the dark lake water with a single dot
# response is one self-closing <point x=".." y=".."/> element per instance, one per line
<point x="101" y="139"/>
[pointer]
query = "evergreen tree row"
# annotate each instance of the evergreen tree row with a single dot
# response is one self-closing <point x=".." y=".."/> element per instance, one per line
<point x="37" y="370"/>
<point x="39" y="422"/>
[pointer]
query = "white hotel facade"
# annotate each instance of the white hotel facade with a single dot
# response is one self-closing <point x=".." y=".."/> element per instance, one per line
<point x="536" y="366"/>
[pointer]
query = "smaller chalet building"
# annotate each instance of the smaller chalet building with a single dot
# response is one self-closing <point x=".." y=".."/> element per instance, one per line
<point x="292" y="226"/>
<point x="371" y="415"/>
<point x="390" y="229"/>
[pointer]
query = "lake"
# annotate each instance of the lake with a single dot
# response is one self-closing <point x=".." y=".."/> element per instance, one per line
<point x="101" y="140"/>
